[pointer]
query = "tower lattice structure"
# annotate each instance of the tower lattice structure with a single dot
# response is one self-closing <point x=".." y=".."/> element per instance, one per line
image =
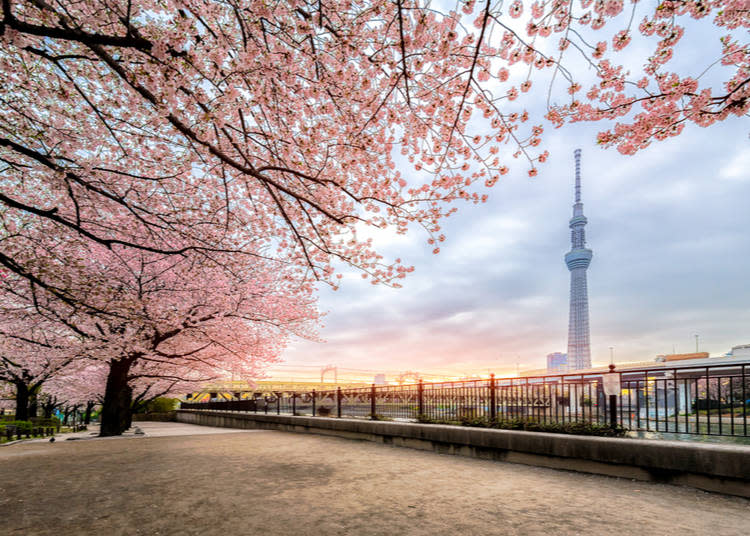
<point x="578" y="260"/>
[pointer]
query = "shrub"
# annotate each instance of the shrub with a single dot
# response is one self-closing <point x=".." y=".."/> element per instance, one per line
<point x="574" y="428"/>
<point x="159" y="405"/>
<point x="23" y="426"/>
<point x="41" y="421"/>
<point x="378" y="417"/>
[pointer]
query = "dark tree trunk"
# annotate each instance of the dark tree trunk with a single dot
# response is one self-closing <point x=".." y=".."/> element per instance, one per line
<point x="118" y="396"/>
<point x="48" y="407"/>
<point x="89" y="408"/>
<point x="66" y="416"/>
<point x="22" y="401"/>
<point x="33" y="401"/>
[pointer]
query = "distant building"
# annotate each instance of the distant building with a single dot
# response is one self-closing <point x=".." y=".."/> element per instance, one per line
<point x="681" y="357"/>
<point x="557" y="362"/>
<point x="743" y="350"/>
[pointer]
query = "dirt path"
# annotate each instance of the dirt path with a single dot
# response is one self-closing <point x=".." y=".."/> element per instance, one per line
<point x="286" y="484"/>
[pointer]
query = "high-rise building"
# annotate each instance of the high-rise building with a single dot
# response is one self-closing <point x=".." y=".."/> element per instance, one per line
<point x="578" y="260"/>
<point x="557" y="362"/>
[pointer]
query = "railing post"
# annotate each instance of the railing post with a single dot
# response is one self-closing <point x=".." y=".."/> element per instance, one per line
<point x="294" y="403"/>
<point x="372" y="402"/>
<point x="338" y="402"/>
<point x="420" y="397"/>
<point x="313" y="402"/>
<point x="278" y="404"/>
<point x="493" y="399"/>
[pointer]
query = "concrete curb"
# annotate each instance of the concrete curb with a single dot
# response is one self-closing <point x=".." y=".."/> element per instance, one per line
<point x="713" y="467"/>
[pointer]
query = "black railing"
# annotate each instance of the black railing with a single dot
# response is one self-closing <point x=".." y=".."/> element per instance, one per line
<point x="711" y="400"/>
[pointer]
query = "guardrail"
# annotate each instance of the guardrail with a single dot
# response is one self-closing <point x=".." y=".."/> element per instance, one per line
<point x="707" y="400"/>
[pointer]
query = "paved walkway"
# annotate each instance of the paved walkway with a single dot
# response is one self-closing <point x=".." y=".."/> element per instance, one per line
<point x="182" y="480"/>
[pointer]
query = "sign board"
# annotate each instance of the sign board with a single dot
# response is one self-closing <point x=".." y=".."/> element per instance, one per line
<point x="611" y="383"/>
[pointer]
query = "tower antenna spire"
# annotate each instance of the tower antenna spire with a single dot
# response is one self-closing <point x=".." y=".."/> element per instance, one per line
<point x="577" y="154"/>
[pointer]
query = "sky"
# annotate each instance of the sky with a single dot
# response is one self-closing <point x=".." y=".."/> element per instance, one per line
<point x="670" y="232"/>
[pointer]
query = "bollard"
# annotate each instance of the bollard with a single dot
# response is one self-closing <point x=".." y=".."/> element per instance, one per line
<point x="612" y="398"/>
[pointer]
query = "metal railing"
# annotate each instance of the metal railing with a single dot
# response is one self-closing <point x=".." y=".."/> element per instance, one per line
<point x="706" y="400"/>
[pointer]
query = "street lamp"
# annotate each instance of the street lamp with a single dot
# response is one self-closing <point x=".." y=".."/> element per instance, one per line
<point x="696" y="343"/>
<point x="611" y="355"/>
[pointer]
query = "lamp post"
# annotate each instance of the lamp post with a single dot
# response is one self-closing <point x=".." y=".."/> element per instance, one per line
<point x="611" y="355"/>
<point x="696" y="343"/>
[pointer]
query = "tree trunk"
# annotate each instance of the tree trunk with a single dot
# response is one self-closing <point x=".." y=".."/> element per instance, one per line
<point x="118" y="395"/>
<point x="22" y="401"/>
<point x="33" y="401"/>
<point x="48" y="407"/>
<point x="89" y="408"/>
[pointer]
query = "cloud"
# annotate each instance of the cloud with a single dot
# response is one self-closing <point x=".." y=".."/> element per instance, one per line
<point x="737" y="168"/>
<point x="668" y="228"/>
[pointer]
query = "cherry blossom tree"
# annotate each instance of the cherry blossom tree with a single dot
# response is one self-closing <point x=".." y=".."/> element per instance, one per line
<point x="31" y="351"/>
<point x="158" y="321"/>
<point x="175" y="174"/>
<point x="7" y="398"/>
<point x="213" y="126"/>
<point x="81" y="384"/>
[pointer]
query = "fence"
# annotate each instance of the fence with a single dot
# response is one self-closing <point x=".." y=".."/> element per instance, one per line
<point x="708" y="400"/>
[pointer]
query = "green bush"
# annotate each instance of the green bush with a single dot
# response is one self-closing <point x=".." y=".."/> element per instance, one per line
<point x="378" y="417"/>
<point x="41" y="421"/>
<point x="159" y="405"/>
<point x="574" y="428"/>
<point x="24" y="426"/>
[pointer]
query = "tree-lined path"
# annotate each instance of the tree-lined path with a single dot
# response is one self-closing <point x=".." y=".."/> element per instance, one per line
<point x="280" y="483"/>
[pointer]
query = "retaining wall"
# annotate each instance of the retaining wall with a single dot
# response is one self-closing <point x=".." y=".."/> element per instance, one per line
<point x="722" y="468"/>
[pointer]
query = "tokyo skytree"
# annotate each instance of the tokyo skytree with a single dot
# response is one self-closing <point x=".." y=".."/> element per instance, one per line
<point x="578" y="260"/>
